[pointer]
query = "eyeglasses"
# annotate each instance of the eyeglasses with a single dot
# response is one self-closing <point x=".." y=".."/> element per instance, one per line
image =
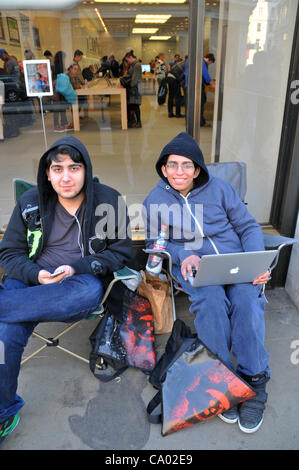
<point x="183" y="166"/>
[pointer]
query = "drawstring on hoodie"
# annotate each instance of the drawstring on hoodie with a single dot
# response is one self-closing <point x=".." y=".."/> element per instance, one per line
<point x="80" y="235"/>
<point x="198" y="224"/>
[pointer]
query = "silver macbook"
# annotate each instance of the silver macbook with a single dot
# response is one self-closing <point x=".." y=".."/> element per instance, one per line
<point x="232" y="268"/>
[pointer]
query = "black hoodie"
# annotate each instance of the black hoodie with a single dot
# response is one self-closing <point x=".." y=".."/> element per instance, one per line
<point x="106" y="237"/>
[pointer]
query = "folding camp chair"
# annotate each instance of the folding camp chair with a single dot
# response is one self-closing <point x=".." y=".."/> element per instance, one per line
<point x="121" y="275"/>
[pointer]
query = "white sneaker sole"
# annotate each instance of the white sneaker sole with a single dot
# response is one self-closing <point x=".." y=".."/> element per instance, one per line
<point x="226" y="420"/>
<point x="250" y="430"/>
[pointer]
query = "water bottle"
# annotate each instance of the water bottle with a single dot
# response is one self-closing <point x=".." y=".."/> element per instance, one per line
<point x="85" y="84"/>
<point x="154" y="262"/>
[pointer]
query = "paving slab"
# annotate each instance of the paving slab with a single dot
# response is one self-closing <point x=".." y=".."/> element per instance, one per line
<point x="67" y="408"/>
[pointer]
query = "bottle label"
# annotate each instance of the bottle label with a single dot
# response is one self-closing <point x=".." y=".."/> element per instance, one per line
<point x="159" y="247"/>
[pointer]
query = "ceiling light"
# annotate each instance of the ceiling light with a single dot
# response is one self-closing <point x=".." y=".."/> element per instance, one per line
<point x="101" y="20"/>
<point x="144" y="30"/>
<point x="152" y="18"/>
<point x="159" y="38"/>
<point x="140" y="1"/>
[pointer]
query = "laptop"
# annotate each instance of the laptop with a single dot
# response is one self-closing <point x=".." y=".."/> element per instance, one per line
<point x="232" y="268"/>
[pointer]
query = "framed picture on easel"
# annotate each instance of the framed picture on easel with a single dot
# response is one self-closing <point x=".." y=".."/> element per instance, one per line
<point x="38" y="81"/>
<point x="38" y="78"/>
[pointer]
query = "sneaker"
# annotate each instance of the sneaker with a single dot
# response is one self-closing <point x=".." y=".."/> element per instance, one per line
<point x="251" y="412"/>
<point x="69" y="127"/>
<point x="8" y="426"/>
<point x="58" y="129"/>
<point x="230" y="416"/>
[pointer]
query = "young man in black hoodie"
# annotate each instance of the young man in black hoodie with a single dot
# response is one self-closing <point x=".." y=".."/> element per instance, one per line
<point x="68" y="225"/>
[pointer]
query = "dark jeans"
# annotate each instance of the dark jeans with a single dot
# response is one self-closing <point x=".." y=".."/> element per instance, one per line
<point x="59" y="113"/>
<point x="231" y="318"/>
<point x="22" y="308"/>
<point x="133" y="111"/>
<point x="202" y="106"/>
<point x="174" y="94"/>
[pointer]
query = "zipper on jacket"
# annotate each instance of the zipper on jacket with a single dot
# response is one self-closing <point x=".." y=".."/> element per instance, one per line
<point x="198" y="224"/>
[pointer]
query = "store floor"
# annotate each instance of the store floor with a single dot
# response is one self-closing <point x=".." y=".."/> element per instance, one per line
<point x="67" y="408"/>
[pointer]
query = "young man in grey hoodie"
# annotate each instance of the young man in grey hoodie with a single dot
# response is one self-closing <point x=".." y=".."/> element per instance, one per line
<point x="206" y="216"/>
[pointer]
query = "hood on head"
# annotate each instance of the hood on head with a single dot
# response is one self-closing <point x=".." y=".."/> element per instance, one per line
<point x="45" y="187"/>
<point x="185" y="146"/>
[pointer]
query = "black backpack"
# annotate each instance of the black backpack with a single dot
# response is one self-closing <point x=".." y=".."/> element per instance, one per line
<point x="178" y="71"/>
<point x="179" y="341"/>
<point x="162" y="92"/>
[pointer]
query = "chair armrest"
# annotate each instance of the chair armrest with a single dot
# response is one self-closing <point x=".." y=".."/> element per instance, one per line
<point x="120" y="275"/>
<point x="164" y="254"/>
<point x="124" y="273"/>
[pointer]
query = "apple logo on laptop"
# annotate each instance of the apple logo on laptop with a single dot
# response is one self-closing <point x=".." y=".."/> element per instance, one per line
<point x="234" y="270"/>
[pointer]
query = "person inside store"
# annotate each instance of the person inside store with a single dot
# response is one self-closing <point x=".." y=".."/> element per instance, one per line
<point x="114" y="66"/>
<point x="105" y="66"/>
<point x="175" y="81"/>
<point x="206" y="80"/>
<point x="57" y="256"/>
<point x="228" y="319"/>
<point x="161" y="68"/>
<point x="82" y="100"/>
<point x="48" y="55"/>
<point x="177" y="58"/>
<point x="59" y="103"/>
<point x="89" y="73"/>
<point x="132" y="81"/>
<point x="10" y="62"/>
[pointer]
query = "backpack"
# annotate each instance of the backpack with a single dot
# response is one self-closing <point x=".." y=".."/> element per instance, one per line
<point x="64" y="86"/>
<point x="177" y="70"/>
<point x="179" y="341"/>
<point x="162" y="92"/>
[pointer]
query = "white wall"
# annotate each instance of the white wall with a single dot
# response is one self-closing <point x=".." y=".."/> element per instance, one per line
<point x="254" y="94"/>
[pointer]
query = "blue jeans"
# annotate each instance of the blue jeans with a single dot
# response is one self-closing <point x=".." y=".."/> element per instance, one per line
<point x="22" y="307"/>
<point x="230" y="318"/>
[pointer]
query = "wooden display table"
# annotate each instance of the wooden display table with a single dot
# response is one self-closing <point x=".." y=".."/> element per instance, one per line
<point x="100" y="87"/>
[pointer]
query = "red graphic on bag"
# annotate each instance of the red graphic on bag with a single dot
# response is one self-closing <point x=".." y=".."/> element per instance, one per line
<point x="209" y="388"/>
<point x="139" y="341"/>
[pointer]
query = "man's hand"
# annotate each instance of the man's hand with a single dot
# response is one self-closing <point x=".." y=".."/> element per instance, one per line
<point x="44" y="277"/>
<point x="262" y="279"/>
<point x="191" y="262"/>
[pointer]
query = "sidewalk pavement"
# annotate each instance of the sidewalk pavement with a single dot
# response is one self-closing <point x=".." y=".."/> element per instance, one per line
<point x="67" y="408"/>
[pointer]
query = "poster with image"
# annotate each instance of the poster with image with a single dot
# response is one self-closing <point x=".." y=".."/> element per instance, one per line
<point x="38" y="78"/>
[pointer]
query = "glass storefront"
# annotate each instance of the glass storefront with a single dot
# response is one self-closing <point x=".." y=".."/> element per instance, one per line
<point x="254" y="44"/>
<point x="122" y="158"/>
